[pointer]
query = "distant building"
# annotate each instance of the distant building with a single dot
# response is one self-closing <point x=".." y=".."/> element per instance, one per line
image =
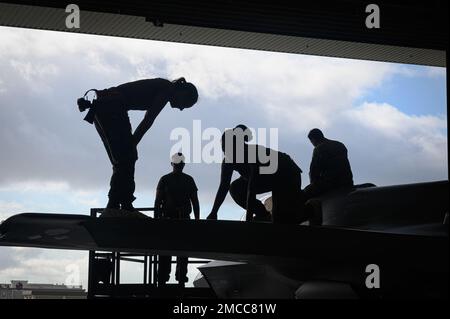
<point x="21" y="289"/>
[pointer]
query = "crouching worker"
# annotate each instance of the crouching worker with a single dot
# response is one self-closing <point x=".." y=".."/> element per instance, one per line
<point x="261" y="170"/>
<point x="176" y="195"/>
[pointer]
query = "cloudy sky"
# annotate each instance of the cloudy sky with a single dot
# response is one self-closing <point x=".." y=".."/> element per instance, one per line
<point x="392" y="117"/>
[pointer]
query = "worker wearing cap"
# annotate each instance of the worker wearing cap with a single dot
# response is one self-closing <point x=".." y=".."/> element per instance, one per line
<point x="176" y="196"/>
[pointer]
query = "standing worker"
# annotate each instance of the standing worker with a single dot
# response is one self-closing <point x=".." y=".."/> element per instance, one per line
<point x="176" y="196"/>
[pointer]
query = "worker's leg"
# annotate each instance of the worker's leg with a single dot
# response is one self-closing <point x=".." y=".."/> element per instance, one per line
<point x="115" y="130"/>
<point x="316" y="189"/>
<point x="124" y="182"/>
<point x="287" y="196"/>
<point x="113" y="202"/>
<point x="238" y="191"/>
<point x="182" y="267"/>
<point x="182" y="261"/>
<point x="165" y="265"/>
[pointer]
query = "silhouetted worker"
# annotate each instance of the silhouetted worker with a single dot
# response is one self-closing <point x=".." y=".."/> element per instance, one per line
<point x="330" y="168"/>
<point x="175" y="193"/>
<point x="109" y="113"/>
<point x="262" y="170"/>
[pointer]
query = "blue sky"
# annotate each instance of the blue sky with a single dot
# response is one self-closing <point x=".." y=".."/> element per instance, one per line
<point x="411" y="95"/>
<point x="392" y="118"/>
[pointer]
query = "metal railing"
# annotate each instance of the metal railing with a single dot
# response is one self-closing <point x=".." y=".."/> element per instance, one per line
<point x="111" y="262"/>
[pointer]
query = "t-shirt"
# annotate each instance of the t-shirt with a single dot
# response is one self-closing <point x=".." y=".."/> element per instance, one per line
<point x="139" y="95"/>
<point x="263" y="157"/>
<point x="330" y="164"/>
<point x="176" y="190"/>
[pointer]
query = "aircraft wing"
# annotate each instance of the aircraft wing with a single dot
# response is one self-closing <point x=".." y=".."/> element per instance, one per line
<point x="298" y="251"/>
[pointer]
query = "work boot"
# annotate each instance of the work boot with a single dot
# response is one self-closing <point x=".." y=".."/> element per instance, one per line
<point x="182" y="280"/>
<point x="114" y="212"/>
<point x="212" y="217"/>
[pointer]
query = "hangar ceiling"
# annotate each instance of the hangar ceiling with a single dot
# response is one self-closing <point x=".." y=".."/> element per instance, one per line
<point x="410" y="32"/>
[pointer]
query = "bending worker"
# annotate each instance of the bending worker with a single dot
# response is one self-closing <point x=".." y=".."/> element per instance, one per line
<point x="109" y="113"/>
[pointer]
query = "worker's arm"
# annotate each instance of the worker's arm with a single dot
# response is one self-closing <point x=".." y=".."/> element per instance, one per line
<point x="195" y="205"/>
<point x="146" y="123"/>
<point x="225" y="181"/>
<point x="159" y="200"/>
<point x="251" y="193"/>
<point x="155" y="108"/>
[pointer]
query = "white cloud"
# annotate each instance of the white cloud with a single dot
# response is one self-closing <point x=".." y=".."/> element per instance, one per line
<point x="86" y="199"/>
<point x="387" y="146"/>
<point x="42" y="266"/>
<point x="36" y="186"/>
<point x="33" y="72"/>
<point x="305" y="88"/>
<point x="393" y="123"/>
<point x="2" y="86"/>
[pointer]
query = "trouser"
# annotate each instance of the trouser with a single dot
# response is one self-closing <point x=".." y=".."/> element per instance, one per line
<point x="165" y="262"/>
<point x="287" y="196"/>
<point x="114" y="127"/>
<point x="165" y="266"/>
<point x="319" y="188"/>
<point x="316" y="189"/>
